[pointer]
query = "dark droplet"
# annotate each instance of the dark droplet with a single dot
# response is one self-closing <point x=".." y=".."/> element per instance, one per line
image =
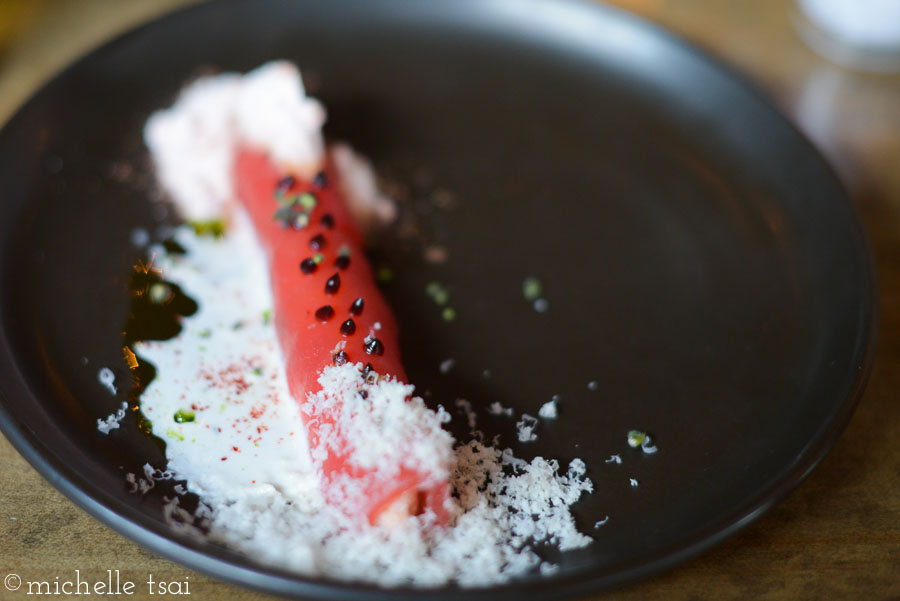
<point x="286" y="183"/>
<point x="348" y="328"/>
<point x="308" y="266"/>
<point x="317" y="242"/>
<point x="320" y="180"/>
<point x="325" y="312"/>
<point x="333" y="284"/>
<point x="327" y="221"/>
<point x="342" y="262"/>
<point x="357" y="307"/>
<point x="374" y="347"/>
<point x="340" y="358"/>
<point x="368" y="367"/>
<point x="363" y="394"/>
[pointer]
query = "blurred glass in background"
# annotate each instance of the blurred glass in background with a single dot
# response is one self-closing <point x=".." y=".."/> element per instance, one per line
<point x="864" y="34"/>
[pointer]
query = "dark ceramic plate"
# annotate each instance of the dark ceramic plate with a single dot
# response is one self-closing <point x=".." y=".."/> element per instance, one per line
<point x="701" y="261"/>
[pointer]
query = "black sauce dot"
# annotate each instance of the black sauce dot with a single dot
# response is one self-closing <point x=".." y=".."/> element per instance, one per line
<point x="325" y="312"/>
<point x="327" y="221"/>
<point x="374" y="347"/>
<point x="308" y="266"/>
<point x="340" y="358"/>
<point x="320" y="180"/>
<point x="286" y="183"/>
<point x="333" y="284"/>
<point x="367" y="369"/>
<point x="348" y="328"/>
<point x="317" y="242"/>
<point x="363" y="394"/>
<point x="342" y="262"/>
<point x="357" y="307"/>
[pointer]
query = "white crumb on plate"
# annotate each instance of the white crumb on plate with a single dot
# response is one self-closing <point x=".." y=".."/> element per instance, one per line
<point x="465" y="408"/>
<point x="111" y="422"/>
<point x="634" y="483"/>
<point x="151" y="476"/>
<point x="548" y="569"/>
<point x="614" y="459"/>
<point x="107" y="378"/>
<point x="549" y="410"/>
<point x="496" y="408"/>
<point x="525" y="428"/>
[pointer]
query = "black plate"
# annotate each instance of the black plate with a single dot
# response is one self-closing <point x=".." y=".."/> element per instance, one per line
<point x="702" y="263"/>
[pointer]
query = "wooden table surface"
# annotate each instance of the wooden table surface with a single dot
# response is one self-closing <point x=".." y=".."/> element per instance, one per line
<point x="837" y="536"/>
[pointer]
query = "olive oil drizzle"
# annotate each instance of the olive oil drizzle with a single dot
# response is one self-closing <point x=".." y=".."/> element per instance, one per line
<point x="156" y="310"/>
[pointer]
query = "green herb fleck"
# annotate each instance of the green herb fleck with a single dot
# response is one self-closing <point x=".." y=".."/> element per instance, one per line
<point x="318" y="258"/>
<point x="267" y="316"/>
<point x="211" y="227"/>
<point x="636" y="438"/>
<point x="344" y="251"/>
<point x="532" y="288"/>
<point x="257" y="371"/>
<point x="175" y="435"/>
<point x="308" y="201"/>
<point x="437" y="293"/>
<point x="449" y="314"/>
<point x="205" y="333"/>
<point x="384" y="275"/>
<point x="183" y="416"/>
